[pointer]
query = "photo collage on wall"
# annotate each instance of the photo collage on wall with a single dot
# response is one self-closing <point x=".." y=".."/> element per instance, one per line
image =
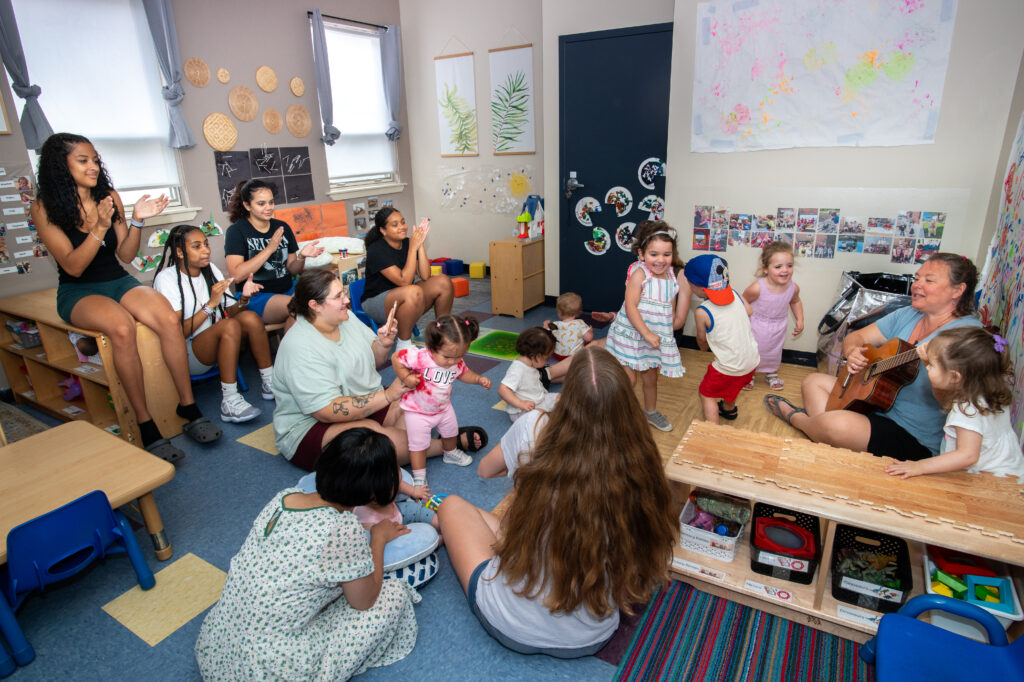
<point x="612" y="208"/>
<point x="19" y="243"/>
<point x="286" y="169"/>
<point x="910" y="237"/>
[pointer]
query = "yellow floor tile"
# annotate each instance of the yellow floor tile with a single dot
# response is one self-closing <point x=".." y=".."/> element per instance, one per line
<point x="183" y="590"/>
<point x="261" y="439"/>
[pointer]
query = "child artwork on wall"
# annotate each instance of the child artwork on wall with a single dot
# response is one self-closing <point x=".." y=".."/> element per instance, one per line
<point x="512" y="124"/>
<point x="456" y="104"/>
<point x="486" y="189"/>
<point x="701" y="239"/>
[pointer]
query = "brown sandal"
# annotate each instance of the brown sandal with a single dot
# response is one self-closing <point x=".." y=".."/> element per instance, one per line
<point x="771" y="401"/>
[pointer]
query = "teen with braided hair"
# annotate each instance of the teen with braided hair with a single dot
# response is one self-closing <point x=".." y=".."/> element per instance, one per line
<point x="81" y="221"/>
<point x="213" y="321"/>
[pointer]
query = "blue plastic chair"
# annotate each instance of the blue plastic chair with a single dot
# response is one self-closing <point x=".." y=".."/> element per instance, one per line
<point x="355" y="294"/>
<point x="906" y="648"/>
<point x="57" y="545"/>
<point x="215" y="372"/>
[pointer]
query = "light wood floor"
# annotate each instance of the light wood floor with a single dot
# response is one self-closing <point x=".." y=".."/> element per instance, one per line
<point x="679" y="401"/>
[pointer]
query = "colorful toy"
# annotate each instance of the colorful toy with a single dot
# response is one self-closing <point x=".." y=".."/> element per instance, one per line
<point x="959" y="563"/>
<point x="531" y="219"/>
<point x="477" y="270"/>
<point x="958" y="586"/>
<point x="460" y="286"/>
<point x="998" y="591"/>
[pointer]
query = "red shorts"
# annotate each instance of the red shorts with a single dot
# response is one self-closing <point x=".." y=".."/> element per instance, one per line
<point x="722" y="386"/>
<point x="560" y="357"/>
<point x="312" y="443"/>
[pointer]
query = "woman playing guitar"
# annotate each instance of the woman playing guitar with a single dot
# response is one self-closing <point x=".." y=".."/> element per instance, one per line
<point x="942" y="298"/>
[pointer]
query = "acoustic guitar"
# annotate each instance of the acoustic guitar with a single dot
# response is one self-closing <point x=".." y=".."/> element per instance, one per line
<point x="890" y="367"/>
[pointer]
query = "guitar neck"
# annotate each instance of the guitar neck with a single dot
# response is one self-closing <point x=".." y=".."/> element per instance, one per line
<point x="892" y="362"/>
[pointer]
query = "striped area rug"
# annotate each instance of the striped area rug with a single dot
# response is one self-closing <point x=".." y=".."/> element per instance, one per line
<point x="687" y="634"/>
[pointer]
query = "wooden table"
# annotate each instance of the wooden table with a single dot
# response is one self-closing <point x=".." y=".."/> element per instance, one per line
<point x="976" y="513"/>
<point x="50" y="469"/>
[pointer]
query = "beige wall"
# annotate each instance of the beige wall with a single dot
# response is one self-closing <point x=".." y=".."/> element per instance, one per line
<point x="956" y="173"/>
<point x="435" y="27"/>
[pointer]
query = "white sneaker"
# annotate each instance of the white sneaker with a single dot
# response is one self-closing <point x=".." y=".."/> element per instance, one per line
<point x="402" y="344"/>
<point x="457" y="456"/>
<point x="234" y="408"/>
<point x="266" y="390"/>
<point x="658" y="421"/>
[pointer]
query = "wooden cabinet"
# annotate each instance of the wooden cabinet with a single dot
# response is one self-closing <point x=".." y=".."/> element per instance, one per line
<point x="975" y="513"/>
<point x="34" y="372"/>
<point x="517" y="275"/>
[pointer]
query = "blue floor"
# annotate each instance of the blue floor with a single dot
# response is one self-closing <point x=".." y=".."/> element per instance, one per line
<point x="208" y="509"/>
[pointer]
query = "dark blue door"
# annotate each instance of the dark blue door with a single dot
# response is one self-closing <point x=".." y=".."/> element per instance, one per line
<point x="613" y="136"/>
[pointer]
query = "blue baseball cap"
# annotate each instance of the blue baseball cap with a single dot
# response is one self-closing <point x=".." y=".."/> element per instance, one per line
<point x="710" y="273"/>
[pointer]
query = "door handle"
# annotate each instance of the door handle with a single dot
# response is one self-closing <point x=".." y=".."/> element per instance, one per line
<point x="572" y="184"/>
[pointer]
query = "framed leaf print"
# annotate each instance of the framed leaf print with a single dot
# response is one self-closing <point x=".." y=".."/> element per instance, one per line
<point x="456" y="105"/>
<point x="512" y="100"/>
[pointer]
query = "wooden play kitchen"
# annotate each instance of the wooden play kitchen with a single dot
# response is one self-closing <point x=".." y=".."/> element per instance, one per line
<point x="35" y="363"/>
<point x="979" y="514"/>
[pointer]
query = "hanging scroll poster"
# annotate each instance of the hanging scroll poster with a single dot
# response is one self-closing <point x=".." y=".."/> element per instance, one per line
<point x="456" y="104"/>
<point x="512" y="100"/>
<point x="809" y="73"/>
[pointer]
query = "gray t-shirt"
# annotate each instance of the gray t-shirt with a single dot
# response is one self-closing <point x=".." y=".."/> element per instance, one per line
<point x="311" y="371"/>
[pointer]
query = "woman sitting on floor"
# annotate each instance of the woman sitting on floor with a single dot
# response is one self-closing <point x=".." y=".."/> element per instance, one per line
<point x="942" y="297"/>
<point x="326" y="379"/>
<point x="590" y="528"/>
<point x="81" y="221"/>
<point x="394" y="260"/>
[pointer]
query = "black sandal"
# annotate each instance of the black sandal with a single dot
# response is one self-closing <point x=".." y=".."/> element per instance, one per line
<point x="201" y="430"/>
<point x="473" y="431"/>
<point x="771" y="401"/>
<point x="727" y="414"/>
<point x="164" y="450"/>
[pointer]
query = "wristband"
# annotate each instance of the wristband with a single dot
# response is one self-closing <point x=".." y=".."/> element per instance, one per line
<point x="207" y="309"/>
<point x="135" y="223"/>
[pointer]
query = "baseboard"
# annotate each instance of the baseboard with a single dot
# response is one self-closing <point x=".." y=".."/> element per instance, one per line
<point x="790" y="357"/>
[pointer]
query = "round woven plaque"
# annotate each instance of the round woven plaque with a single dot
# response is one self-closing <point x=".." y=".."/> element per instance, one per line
<point x="272" y="121"/>
<point x="297" y="119"/>
<point x="243" y="103"/>
<point x="223" y="75"/>
<point x="266" y="79"/>
<point x="219" y="131"/>
<point x="197" y="72"/>
<point x="298" y="88"/>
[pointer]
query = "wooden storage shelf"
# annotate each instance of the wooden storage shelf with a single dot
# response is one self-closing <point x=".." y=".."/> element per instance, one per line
<point x="838" y="486"/>
<point x="103" y="401"/>
<point x="517" y="275"/>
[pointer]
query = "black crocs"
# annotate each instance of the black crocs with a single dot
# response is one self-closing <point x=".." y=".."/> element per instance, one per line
<point x="164" y="450"/>
<point x="727" y="414"/>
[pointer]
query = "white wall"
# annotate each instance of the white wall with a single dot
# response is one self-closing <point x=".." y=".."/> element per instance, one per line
<point x="956" y="173"/>
<point x="431" y="28"/>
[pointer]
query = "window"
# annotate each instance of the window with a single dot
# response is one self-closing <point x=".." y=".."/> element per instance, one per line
<point x="96" y="65"/>
<point x="363" y="155"/>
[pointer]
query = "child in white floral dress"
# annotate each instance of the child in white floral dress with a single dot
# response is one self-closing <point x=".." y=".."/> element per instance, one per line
<point x="304" y="598"/>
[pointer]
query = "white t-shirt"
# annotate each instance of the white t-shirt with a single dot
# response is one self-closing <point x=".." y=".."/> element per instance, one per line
<point x="525" y="383"/>
<point x="166" y="282"/>
<point x="520" y="439"/>
<point x="1000" y="453"/>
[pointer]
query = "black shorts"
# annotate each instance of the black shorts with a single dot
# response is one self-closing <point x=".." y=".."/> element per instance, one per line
<point x="889" y="439"/>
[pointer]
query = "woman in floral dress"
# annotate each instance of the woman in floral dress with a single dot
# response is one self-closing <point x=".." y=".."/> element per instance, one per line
<point x="304" y="598"/>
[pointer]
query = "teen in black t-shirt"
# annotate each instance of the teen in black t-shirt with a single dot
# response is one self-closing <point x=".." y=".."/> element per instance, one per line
<point x="394" y="259"/>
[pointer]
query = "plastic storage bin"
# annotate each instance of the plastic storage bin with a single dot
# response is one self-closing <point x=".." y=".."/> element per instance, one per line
<point x="708" y="543"/>
<point x="852" y="589"/>
<point x="965" y="626"/>
<point x="27" y="334"/>
<point x="778" y="563"/>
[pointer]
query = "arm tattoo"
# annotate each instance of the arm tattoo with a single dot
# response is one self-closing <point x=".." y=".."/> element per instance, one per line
<point x="345" y="405"/>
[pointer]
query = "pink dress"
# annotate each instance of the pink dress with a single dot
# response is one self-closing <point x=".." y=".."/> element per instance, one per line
<point x="769" y="321"/>
<point x="433" y="395"/>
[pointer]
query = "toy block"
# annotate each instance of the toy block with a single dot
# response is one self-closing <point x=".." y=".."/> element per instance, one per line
<point x="958" y="586"/>
<point x="461" y="286"/>
<point x="435" y="269"/>
<point x="939" y="588"/>
<point x="1003" y="588"/>
<point x="452" y="267"/>
<point x="438" y="261"/>
<point x="477" y="270"/>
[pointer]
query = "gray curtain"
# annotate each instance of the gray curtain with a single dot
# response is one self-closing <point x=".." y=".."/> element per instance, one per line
<point x="160" y="17"/>
<point x="323" y="79"/>
<point x="391" y="65"/>
<point x="34" y="125"/>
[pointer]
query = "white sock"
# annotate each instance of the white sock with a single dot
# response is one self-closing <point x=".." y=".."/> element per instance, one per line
<point x="228" y="390"/>
<point x="267" y="374"/>
<point x="402" y="344"/>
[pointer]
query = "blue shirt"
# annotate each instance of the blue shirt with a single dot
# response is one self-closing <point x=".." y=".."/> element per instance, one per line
<point x="915" y="407"/>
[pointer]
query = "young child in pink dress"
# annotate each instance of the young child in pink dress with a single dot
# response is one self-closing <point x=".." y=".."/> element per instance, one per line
<point x="772" y="295"/>
<point x="431" y="371"/>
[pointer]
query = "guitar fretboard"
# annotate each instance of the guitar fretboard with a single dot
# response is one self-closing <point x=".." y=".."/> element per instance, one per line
<point x="893" y="362"/>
